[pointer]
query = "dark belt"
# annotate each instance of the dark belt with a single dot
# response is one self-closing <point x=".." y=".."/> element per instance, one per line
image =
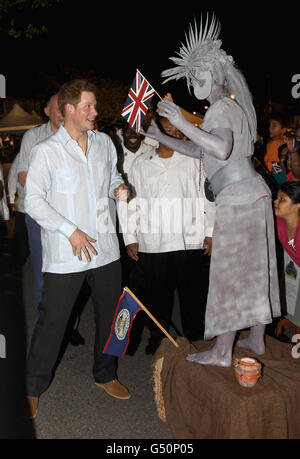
<point x="234" y="172"/>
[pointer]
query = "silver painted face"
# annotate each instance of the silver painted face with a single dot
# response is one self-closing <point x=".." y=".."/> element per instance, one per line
<point x="202" y="84"/>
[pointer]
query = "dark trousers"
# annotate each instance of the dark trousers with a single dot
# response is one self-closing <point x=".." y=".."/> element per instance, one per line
<point x="156" y="277"/>
<point x="35" y="245"/>
<point x="21" y="239"/>
<point x="59" y="294"/>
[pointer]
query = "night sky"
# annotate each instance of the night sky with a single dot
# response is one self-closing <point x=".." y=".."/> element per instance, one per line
<point x="114" y="40"/>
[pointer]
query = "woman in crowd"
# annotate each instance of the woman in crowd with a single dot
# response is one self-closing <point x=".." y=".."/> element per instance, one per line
<point x="287" y="212"/>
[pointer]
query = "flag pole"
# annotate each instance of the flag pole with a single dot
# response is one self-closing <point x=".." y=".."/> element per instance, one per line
<point x="149" y="84"/>
<point x="151" y="317"/>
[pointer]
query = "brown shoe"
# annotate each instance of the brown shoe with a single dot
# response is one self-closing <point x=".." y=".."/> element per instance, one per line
<point x="31" y="407"/>
<point x="115" y="389"/>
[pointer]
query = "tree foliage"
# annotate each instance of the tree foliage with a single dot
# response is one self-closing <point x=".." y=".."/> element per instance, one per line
<point x="20" y="18"/>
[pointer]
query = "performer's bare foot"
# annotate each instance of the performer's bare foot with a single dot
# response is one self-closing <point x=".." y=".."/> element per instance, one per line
<point x="211" y="358"/>
<point x="255" y="341"/>
<point x="220" y="354"/>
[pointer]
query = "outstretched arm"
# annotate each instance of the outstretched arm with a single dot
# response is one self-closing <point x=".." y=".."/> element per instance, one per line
<point x="186" y="147"/>
<point x="218" y="143"/>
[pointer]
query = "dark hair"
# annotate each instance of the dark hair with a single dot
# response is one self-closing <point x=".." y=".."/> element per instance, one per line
<point x="125" y="125"/>
<point x="281" y="118"/>
<point x="160" y="126"/>
<point x="70" y="92"/>
<point x="292" y="189"/>
<point x="158" y="122"/>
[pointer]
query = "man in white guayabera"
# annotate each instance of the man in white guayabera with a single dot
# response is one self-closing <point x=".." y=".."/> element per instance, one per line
<point x="169" y="233"/>
<point x="243" y="290"/>
<point x="69" y="176"/>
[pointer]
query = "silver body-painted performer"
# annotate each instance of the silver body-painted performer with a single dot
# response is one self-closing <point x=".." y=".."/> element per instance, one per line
<point x="243" y="289"/>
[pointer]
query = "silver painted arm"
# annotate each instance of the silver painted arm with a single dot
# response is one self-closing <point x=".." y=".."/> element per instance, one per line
<point x="187" y="148"/>
<point x="218" y="143"/>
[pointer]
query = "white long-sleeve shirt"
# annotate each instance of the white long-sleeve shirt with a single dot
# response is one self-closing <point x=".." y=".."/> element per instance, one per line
<point x="14" y="187"/>
<point x="4" y="210"/>
<point x="66" y="190"/>
<point x="30" y="139"/>
<point x="169" y="212"/>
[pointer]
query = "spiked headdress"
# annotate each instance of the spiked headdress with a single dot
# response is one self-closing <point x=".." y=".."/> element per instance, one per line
<point x="202" y="50"/>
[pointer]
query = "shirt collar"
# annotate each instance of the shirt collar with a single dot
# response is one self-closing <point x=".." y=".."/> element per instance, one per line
<point x="48" y="128"/>
<point x="174" y="157"/>
<point x="65" y="137"/>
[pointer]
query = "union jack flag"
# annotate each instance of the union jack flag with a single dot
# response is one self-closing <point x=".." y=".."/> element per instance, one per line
<point x="138" y="101"/>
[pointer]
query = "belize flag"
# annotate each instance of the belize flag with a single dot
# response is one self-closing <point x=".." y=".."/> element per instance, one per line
<point x="126" y="311"/>
<point x="138" y="101"/>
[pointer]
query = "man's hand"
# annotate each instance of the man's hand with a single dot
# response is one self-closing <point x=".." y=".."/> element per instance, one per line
<point x="132" y="250"/>
<point x="121" y="193"/>
<point x="207" y="245"/>
<point x="81" y="241"/>
<point x="22" y="178"/>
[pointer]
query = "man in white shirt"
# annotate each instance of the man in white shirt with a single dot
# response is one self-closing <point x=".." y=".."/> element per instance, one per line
<point x="71" y="184"/>
<point x="4" y="210"/>
<point x="31" y="138"/>
<point x="168" y="234"/>
<point x="133" y="145"/>
<point x="4" y="217"/>
<point x="130" y="145"/>
<point x="20" y="234"/>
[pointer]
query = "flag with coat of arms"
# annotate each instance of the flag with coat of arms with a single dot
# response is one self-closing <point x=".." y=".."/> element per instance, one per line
<point x="126" y="311"/>
<point x="138" y="101"/>
<point x="128" y="307"/>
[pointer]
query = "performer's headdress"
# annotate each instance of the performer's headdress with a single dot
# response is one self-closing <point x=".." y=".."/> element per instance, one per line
<point x="203" y="51"/>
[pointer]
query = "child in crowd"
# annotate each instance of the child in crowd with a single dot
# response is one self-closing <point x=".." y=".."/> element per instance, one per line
<point x="277" y="129"/>
<point x="287" y="212"/>
<point x="293" y="145"/>
<point x="281" y="169"/>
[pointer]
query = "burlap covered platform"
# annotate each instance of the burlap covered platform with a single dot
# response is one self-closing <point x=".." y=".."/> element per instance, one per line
<point x="198" y="401"/>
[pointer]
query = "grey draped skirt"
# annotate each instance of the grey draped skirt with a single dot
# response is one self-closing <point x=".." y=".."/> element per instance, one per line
<point x="243" y="289"/>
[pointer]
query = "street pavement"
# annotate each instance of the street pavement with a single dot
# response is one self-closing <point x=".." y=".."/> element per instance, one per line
<point x="73" y="407"/>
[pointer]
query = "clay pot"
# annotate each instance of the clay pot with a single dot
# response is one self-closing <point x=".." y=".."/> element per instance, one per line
<point x="247" y="371"/>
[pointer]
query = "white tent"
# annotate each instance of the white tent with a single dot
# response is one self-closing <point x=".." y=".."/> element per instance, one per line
<point x="18" y="121"/>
